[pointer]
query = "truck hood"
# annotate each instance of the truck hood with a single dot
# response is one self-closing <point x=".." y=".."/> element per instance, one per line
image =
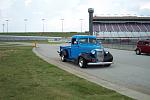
<point x="89" y="47"/>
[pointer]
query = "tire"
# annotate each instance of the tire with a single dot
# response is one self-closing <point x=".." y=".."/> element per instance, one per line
<point x="138" y="52"/>
<point x="82" y="63"/>
<point x="64" y="55"/>
<point x="63" y="58"/>
<point x="107" y="65"/>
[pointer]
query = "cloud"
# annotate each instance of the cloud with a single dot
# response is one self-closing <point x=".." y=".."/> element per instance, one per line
<point x="38" y="13"/>
<point x="28" y="2"/>
<point x="5" y="4"/>
<point x="145" y="6"/>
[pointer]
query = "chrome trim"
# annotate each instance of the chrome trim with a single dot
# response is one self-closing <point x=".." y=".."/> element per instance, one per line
<point x="99" y="63"/>
<point x="100" y="56"/>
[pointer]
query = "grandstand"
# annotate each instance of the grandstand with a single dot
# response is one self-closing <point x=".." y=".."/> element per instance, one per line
<point x="123" y="26"/>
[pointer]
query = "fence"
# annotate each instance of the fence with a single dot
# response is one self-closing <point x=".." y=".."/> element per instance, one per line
<point x="125" y="43"/>
<point x="121" y="40"/>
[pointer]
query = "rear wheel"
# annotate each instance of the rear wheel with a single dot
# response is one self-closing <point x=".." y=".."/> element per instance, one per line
<point x="138" y="52"/>
<point x="82" y="63"/>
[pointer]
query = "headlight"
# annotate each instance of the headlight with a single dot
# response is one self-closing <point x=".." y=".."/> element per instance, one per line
<point x="93" y="52"/>
<point x="106" y="52"/>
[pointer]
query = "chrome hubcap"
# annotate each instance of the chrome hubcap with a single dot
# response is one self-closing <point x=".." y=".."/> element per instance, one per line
<point x="137" y="51"/>
<point x="81" y="63"/>
<point x="62" y="57"/>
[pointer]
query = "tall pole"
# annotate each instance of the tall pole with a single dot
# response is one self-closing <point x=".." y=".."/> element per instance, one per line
<point x="3" y="27"/>
<point x="91" y="11"/>
<point x="62" y="26"/>
<point x="81" y="24"/>
<point x="7" y="24"/>
<point x="25" y="26"/>
<point x="43" y="24"/>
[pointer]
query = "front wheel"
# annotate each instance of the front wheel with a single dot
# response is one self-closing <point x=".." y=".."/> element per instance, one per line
<point x="82" y="63"/>
<point x="63" y="58"/>
<point x="107" y="65"/>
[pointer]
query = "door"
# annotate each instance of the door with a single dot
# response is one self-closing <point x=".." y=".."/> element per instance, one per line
<point x="140" y="45"/>
<point x="74" y="49"/>
<point x="145" y="47"/>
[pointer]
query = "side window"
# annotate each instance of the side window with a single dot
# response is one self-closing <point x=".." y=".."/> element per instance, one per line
<point x="92" y="40"/>
<point x="144" y="43"/>
<point x="140" y="43"/>
<point x="73" y="41"/>
<point x="83" y="40"/>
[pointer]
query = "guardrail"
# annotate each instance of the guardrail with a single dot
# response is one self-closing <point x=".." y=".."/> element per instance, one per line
<point x="26" y="38"/>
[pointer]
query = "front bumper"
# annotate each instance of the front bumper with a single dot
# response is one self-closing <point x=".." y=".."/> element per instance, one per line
<point x="99" y="63"/>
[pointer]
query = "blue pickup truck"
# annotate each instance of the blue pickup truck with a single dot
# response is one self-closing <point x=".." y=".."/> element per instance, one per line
<point x="85" y="50"/>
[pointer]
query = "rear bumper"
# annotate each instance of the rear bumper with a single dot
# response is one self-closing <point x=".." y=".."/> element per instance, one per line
<point x="99" y="63"/>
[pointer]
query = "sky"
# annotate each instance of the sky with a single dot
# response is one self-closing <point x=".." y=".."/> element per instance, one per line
<point x="72" y="11"/>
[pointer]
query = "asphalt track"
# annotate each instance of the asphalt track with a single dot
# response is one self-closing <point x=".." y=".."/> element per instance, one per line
<point x="129" y="70"/>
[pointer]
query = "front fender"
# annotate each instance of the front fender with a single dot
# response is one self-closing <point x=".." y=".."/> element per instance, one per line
<point x="86" y="56"/>
<point x="108" y="57"/>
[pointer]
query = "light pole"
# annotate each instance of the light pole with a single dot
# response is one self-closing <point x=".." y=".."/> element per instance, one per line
<point x="3" y="27"/>
<point x="7" y="24"/>
<point x="81" y="24"/>
<point x="25" y="25"/>
<point x="62" y="24"/>
<point x="43" y="24"/>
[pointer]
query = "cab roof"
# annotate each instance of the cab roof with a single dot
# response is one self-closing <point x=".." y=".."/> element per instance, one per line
<point x="147" y="40"/>
<point x="83" y="36"/>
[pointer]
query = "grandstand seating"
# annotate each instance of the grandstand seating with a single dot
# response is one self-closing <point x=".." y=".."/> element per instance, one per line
<point x="121" y="27"/>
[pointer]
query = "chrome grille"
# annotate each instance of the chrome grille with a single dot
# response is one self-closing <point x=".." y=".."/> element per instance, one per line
<point x="100" y="56"/>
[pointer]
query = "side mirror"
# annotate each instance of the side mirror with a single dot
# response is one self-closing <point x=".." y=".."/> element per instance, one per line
<point x="75" y="42"/>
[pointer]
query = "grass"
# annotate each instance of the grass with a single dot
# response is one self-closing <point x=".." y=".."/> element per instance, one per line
<point x="6" y="44"/>
<point x="24" y="76"/>
<point x="51" y="34"/>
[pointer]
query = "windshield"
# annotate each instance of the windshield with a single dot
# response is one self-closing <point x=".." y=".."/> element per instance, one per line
<point x="87" y="40"/>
